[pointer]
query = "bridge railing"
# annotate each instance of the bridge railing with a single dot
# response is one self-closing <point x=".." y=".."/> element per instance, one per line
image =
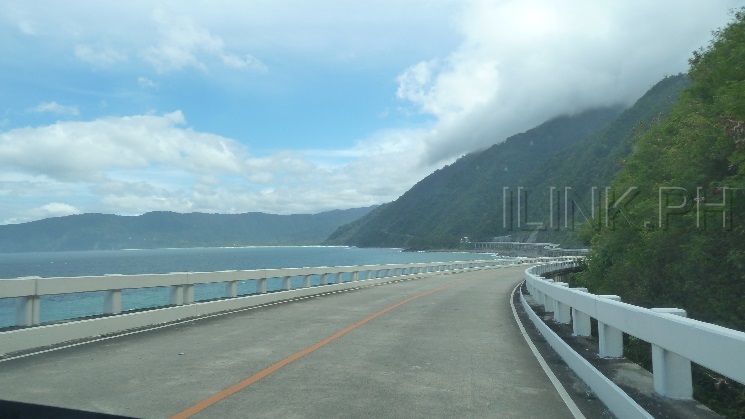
<point x="676" y="340"/>
<point x="181" y="285"/>
<point x="27" y="291"/>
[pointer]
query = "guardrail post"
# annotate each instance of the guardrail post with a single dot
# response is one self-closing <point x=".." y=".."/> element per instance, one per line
<point x="27" y="310"/>
<point x="548" y="303"/>
<point x="176" y="295"/>
<point x="261" y="286"/>
<point x="112" y="302"/>
<point x="286" y="283"/>
<point x="610" y="339"/>
<point x="338" y="278"/>
<point x="231" y="289"/>
<point x="672" y="372"/>
<point x="324" y="279"/>
<point x="545" y="300"/>
<point x="581" y="325"/>
<point x="188" y="293"/>
<point x="562" y="311"/>
<point x="355" y="276"/>
<point x="306" y="281"/>
<point x="540" y="298"/>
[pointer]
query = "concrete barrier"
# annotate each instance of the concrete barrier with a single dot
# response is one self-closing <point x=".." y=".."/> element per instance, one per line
<point x="676" y="340"/>
<point x="28" y="291"/>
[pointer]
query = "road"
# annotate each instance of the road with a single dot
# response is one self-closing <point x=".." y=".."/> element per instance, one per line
<point x="442" y="346"/>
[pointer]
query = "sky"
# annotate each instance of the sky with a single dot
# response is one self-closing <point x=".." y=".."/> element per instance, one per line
<point x="290" y="106"/>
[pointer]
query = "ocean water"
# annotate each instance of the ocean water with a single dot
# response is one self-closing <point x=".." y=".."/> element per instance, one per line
<point x="128" y="262"/>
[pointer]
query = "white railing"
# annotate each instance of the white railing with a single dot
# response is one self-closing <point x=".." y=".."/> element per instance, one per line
<point x="676" y="340"/>
<point x="27" y="292"/>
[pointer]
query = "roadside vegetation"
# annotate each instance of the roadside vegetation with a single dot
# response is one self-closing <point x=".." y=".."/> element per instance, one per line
<point x="680" y="240"/>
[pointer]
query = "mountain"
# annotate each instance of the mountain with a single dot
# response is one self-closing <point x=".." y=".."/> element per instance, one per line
<point x="680" y="242"/>
<point x="169" y="229"/>
<point x="592" y="163"/>
<point x="465" y="199"/>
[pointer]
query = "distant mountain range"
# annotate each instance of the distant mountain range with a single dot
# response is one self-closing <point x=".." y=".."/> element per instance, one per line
<point x="169" y="229"/>
<point x="465" y="199"/>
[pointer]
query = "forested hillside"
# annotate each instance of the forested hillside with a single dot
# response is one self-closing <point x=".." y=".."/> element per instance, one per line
<point x="461" y="199"/>
<point x="466" y="198"/>
<point x="680" y="242"/>
<point x="169" y="229"/>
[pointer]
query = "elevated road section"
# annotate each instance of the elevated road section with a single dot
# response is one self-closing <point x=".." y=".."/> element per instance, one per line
<point x="443" y="344"/>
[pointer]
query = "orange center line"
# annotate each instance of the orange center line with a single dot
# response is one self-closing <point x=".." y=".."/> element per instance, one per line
<point x="198" y="407"/>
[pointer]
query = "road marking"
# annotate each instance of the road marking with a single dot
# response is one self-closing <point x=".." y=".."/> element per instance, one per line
<point x="198" y="407"/>
<point x="551" y="376"/>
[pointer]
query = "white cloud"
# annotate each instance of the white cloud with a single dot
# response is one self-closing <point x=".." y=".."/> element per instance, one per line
<point x="523" y="62"/>
<point x="82" y="151"/>
<point x="452" y="90"/>
<point x="247" y="62"/>
<point x="57" y="209"/>
<point x="52" y="209"/>
<point x="56" y="108"/>
<point x="131" y="165"/>
<point x="146" y="83"/>
<point x="102" y="56"/>
<point x="183" y="43"/>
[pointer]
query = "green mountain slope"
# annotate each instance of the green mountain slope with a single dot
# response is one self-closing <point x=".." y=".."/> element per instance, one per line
<point x="700" y="145"/>
<point x="168" y="229"/>
<point x="681" y="241"/>
<point x="466" y="197"/>
<point x="591" y="163"/>
<point x="459" y="199"/>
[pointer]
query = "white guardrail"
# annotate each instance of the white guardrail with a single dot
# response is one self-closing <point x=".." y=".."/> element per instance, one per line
<point x="27" y="292"/>
<point x="676" y="340"/>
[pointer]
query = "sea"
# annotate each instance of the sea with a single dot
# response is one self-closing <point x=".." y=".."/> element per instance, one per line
<point x="62" y="307"/>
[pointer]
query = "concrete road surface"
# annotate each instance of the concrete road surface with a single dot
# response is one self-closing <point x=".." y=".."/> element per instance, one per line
<point x="447" y="346"/>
